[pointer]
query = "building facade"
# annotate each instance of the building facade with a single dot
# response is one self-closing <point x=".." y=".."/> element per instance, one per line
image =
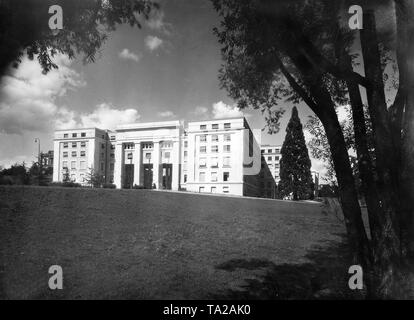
<point x="215" y="156"/>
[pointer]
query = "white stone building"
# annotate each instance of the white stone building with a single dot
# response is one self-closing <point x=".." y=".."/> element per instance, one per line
<point x="215" y="156"/>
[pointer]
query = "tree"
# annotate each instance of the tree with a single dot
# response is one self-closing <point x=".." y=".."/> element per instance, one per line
<point x="94" y="178"/>
<point x="304" y="51"/>
<point x="66" y="175"/>
<point x="295" y="165"/>
<point x="86" y="23"/>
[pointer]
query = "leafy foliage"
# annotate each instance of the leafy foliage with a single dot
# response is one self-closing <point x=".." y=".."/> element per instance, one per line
<point x="86" y="24"/>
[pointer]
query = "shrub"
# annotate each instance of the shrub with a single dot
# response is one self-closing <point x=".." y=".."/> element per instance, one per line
<point x="138" y="187"/>
<point x="68" y="184"/>
<point x="108" y="186"/>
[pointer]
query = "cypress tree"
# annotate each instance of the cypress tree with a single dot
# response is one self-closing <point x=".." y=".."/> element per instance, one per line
<point x="295" y="165"/>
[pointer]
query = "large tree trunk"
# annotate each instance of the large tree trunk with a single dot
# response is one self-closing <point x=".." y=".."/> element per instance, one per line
<point x="403" y="115"/>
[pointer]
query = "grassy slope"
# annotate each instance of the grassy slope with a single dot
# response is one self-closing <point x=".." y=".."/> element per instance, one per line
<point x="145" y="244"/>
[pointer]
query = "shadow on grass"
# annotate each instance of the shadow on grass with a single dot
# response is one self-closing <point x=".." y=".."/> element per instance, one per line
<point x="325" y="276"/>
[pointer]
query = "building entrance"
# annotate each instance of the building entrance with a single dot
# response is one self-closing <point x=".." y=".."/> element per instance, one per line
<point x="129" y="176"/>
<point x="148" y="176"/>
<point x="166" y="176"/>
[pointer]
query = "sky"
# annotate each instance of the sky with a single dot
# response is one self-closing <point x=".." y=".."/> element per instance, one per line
<point x="168" y="70"/>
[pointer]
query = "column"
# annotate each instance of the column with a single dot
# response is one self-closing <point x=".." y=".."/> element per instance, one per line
<point x="137" y="164"/>
<point x="119" y="162"/>
<point x="156" y="165"/>
<point x="176" y="152"/>
<point x="56" y="161"/>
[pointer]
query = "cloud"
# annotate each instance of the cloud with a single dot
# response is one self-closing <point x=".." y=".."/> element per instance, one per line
<point x="105" y="116"/>
<point x="166" y="114"/>
<point x="125" y="54"/>
<point x="153" y="42"/>
<point x="156" y="22"/>
<point x="28" y="97"/>
<point x="222" y="110"/>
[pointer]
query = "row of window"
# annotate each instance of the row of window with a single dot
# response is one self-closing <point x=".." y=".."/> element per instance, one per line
<point x="213" y="189"/>
<point x="202" y="162"/>
<point x="74" y="144"/>
<point x="74" y="135"/>
<point x="73" y="165"/>
<point x="215" y="137"/>
<point x="74" y="154"/>
<point x="213" y="177"/>
<point x="270" y="158"/>
<point x="277" y="150"/>
<point x="215" y="126"/>
<point x="215" y="148"/>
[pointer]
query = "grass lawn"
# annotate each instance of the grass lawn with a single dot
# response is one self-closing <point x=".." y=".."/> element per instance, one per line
<point x="141" y="244"/>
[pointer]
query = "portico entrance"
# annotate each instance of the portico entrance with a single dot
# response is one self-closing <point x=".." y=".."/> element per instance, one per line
<point x="148" y="176"/>
<point x="166" y="176"/>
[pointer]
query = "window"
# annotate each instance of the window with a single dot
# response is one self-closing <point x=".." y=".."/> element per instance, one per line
<point x="148" y="156"/>
<point x="269" y="151"/>
<point x="65" y="154"/>
<point x="226" y="162"/>
<point x="185" y="154"/>
<point x="269" y="158"/>
<point x="185" y="144"/>
<point x="225" y="189"/>
<point x="102" y="145"/>
<point x="73" y="144"/>
<point x="74" y="135"/>
<point x="102" y="166"/>
<point x="202" y="163"/>
<point x="112" y="138"/>
<point x="213" y="189"/>
<point x="276" y="177"/>
<point x="226" y="148"/>
<point x="73" y="165"/>
<point x="83" y="144"/>
<point x="203" y="127"/>
<point x="112" y="155"/>
<point x="65" y="135"/>
<point x="277" y="158"/>
<point x="214" y="177"/>
<point x="203" y="149"/>
<point x="73" y="153"/>
<point x="112" y="147"/>
<point x="214" y="149"/>
<point x="277" y="150"/>
<point x="214" y="162"/>
<point x="83" y="134"/>
<point x="65" y="164"/>
<point x="185" y="178"/>
<point x="227" y="137"/>
<point x="215" y="126"/>
<point x="82" y="165"/>
<point x="203" y="138"/>
<point x="201" y="189"/>
<point x="214" y="138"/>
<point x="82" y="153"/>
<point x="202" y="176"/>
<point x="226" y="176"/>
<point x="111" y="167"/>
<point x="65" y="144"/>
<point x="227" y="125"/>
<point x="277" y="165"/>
<point x="129" y="156"/>
<point x="262" y="151"/>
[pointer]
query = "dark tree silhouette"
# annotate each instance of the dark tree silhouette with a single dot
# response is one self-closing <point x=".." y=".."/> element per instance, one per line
<point x="86" y="23"/>
<point x="304" y="51"/>
<point x="295" y="165"/>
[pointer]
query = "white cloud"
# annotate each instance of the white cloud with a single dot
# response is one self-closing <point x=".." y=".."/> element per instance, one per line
<point x="156" y="22"/>
<point x="28" y="97"/>
<point x="222" y="110"/>
<point x="153" y="42"/>
<point x="166" y="114"/>
<point x="105" y="116"/>
<point x="125" y="54"/>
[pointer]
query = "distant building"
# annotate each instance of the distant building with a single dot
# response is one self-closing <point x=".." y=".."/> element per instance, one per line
<point x="214" y="156"/>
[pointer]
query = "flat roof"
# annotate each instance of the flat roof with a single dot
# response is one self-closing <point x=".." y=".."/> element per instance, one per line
<point x="145" y="125"/>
